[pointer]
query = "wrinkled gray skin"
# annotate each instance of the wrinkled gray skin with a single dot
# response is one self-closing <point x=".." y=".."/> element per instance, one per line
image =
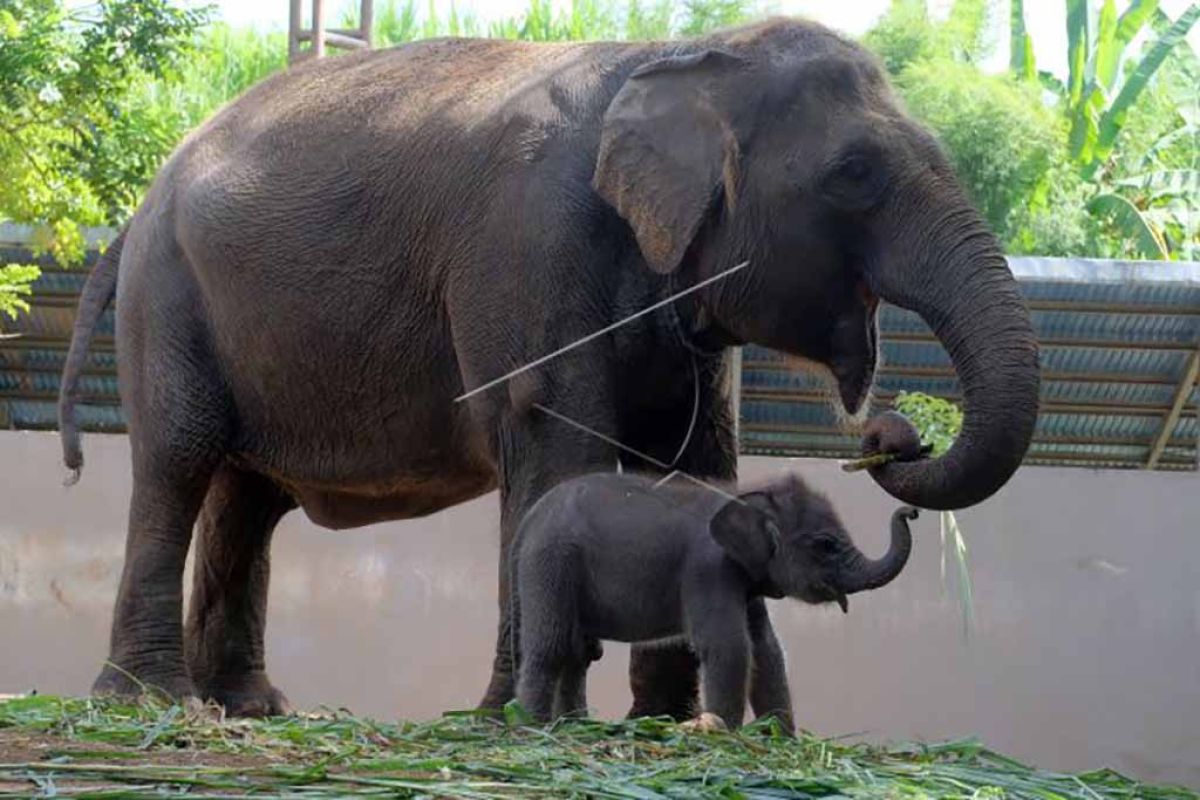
<point x="891" y="432"/>
<point x="614" y="557"/>
<point x="325" y="265"/>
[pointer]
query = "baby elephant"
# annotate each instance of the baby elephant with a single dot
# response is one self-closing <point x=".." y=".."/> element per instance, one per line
<point x="619" y="557"/>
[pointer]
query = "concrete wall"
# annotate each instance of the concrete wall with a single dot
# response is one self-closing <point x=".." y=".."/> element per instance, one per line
<point x="1085" y="652"/>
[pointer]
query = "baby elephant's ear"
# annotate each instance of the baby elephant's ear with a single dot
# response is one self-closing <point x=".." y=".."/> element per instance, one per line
<point x="747" y="533"/>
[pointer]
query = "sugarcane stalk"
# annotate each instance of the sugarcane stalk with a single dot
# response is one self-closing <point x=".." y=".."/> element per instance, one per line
<point x="879" y="459"/>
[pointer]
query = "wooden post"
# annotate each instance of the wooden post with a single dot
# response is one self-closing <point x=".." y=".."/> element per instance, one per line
<point x="294" y="23"/>
<point x="366" y="20"/>
<point x="1190" y="373"/>
<point x="318" y="28"/>
<point x="319" y="38"/>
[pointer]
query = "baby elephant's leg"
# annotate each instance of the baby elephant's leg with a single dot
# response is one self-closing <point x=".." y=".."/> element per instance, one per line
<point x="571" y="700"/>
<point x="769" y="694"/>
<point x="720" y="641"/>
<point x="549" y="629"/>
<point x="539" y="673"/>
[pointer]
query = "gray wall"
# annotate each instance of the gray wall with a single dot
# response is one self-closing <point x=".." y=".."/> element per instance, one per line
<point x="1085" y="651"/>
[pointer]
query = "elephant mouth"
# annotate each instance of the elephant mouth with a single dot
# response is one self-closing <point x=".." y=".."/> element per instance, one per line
<point x="856" y="352"/>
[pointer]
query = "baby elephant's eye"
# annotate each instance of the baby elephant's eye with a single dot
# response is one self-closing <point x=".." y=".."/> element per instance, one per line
<point x="826" y="544"/>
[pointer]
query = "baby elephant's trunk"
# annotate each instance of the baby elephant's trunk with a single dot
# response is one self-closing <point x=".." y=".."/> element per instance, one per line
<point x="865" y="574"/>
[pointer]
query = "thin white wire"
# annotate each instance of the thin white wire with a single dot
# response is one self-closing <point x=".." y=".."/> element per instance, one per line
<point x="638" y="453"/>
<point x="695" y="411"/>
<point x="601" y="332"/>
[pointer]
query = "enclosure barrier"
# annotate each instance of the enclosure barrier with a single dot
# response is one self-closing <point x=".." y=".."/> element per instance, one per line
<point x="1120" y="356"/>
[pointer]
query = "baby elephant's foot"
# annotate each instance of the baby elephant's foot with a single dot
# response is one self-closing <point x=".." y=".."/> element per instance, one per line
<point x="705" y="723"/>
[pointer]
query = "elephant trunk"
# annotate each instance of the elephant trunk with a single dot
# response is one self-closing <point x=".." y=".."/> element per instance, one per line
<point x="863" y="573"/>
<point x="960" y="284"/>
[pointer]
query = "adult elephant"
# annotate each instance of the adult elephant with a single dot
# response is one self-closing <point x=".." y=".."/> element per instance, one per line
<point x="321" y="269"/>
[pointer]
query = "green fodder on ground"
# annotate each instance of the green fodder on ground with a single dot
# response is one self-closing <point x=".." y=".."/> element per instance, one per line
<point x="87" y="748"/>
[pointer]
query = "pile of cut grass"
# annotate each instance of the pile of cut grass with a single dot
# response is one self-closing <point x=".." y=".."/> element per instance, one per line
<point x="88" y="748"/>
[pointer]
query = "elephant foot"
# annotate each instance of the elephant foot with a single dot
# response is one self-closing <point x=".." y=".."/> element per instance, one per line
<point x="665" y="682"/>
<point x="499" y="691"/>
<point x="123" y="684"/>
<point x="248" y="696"/>
<point x="680" y="710"/>
<point x="705" y="723"/>
<point x="786" y="723"/>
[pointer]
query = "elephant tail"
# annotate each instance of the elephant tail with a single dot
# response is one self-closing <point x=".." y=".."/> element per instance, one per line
<point x="98" y="291"/>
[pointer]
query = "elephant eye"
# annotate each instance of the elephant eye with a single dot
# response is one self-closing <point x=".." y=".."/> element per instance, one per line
<point x="826" y="544"/>
<point x="856" y="180"/>
<point x="854" y="168"/>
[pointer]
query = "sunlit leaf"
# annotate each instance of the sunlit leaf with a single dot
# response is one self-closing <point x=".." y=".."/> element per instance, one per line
<point x="1130" y="222"/>
<point x="1114" y="118"/>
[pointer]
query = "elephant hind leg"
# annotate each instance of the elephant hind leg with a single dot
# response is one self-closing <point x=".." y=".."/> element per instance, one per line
<point x="227" y="616"/>
<point x="146" y="648"/>
<point x="179" y="433"/>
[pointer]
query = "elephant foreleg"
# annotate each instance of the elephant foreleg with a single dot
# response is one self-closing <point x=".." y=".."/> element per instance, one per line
<point x="769" y="693"/>
<point x="665" y="678"/>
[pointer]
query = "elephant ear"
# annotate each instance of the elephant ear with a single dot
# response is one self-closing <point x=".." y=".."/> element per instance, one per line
<point x="746" y="530"/>
<point x="665" y="149"/>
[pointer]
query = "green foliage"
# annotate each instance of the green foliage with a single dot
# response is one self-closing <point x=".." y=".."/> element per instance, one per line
<point x="71" y="154"/>
<point x="67" y="150"/>
<point x="906" y="34"/>
<point x="648" y="19"/>
<point x="1000" y="139"/>
<point x="939" y="422"/>
<point x="702" y="16"/>
<point x="1111" y="95"/>
<point x="109" y="749"/>
<point x="1061" y="168"/>
<point x="15" y="284"/>
<point x="399" y="21"/>
<point x="1020" y="45"/>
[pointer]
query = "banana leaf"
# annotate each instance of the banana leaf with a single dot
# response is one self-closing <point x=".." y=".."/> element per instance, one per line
<point x="1165" y="183"/>
<point x="1108" y="51"/>
<point x="1020" y="60"/>
<point x="1077" y="49"/>
<point x="1114" y="118"/>
<point x="1128" y="220"/>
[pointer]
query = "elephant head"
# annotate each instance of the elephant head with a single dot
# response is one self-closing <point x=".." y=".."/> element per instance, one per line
<point x="782" y="144"/>
<point x="791" y="542"/>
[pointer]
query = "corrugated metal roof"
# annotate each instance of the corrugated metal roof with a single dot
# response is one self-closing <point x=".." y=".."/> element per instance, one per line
<point x="1118" y="339"/>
